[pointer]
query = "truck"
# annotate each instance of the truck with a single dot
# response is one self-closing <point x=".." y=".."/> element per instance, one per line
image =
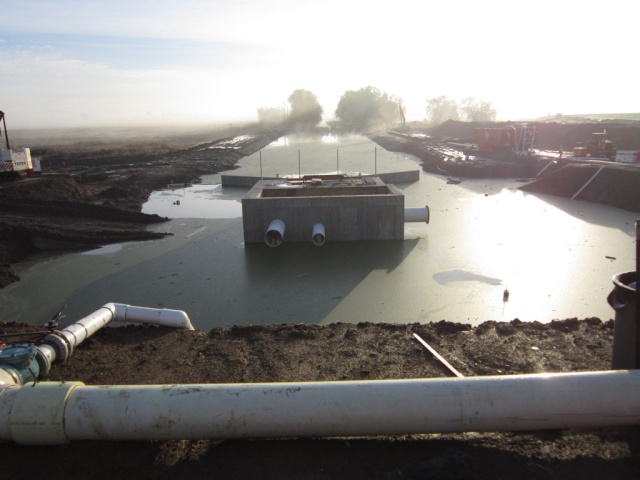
<point x="17" y="163"/>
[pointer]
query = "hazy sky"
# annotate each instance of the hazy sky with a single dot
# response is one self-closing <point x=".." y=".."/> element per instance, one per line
<point x="86" y="63"/>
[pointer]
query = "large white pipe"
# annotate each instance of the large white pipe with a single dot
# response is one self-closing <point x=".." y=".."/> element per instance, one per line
<point x="317" y="234"/>
<point x="416" y="214"/>
<point x="61" y="412"/>
<point x="275" y="233"/>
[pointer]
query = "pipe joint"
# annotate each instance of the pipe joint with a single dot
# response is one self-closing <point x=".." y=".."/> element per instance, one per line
<point x="37" y="416"/>
<point x="61" y="347"/>
<point x="45" y="356"/>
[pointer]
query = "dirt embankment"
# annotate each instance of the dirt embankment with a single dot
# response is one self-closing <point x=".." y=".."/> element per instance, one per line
<point x="613" y="186"/>
<point x="88" y="202"/>
<point x="443" y="152"/>
<point x="364" y="351"/>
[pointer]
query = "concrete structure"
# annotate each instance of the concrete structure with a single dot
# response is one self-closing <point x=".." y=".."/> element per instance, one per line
<point x="407" y="176"/>
<point x="348" y="208"/>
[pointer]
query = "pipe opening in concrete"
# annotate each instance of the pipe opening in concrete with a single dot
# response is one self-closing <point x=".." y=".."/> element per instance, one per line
<point x="416" y="214"/>
<point x="317" y="235"/>
<point x="275" y="233"/>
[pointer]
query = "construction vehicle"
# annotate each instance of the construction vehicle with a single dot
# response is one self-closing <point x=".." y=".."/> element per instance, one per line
<point x="15" y="164"/>
<point x="596" y="146"/>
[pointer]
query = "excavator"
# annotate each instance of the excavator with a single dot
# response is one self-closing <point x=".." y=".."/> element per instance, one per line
<point x="598" y="146"/>
<point x="15" y="164"/>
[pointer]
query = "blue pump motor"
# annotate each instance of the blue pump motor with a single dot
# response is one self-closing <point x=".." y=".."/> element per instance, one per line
<point x="19" y="361"/>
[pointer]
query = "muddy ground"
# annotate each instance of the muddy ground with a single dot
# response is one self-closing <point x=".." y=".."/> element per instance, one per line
<point x="107" y="200"/>
<point x="281" y="353"/>
<point x="86" y="202"/>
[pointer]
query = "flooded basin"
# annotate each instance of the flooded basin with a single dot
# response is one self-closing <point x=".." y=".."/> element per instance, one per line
<point x="556" y="258"/>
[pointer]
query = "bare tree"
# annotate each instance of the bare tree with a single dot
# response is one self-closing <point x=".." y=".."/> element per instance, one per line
<point x="442" y="108"/>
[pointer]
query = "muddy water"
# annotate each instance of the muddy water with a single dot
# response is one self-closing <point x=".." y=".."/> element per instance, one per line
<point x="556" y="257"/>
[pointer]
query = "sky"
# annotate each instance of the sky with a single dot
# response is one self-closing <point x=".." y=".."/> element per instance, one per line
<point x="83" y="63"/>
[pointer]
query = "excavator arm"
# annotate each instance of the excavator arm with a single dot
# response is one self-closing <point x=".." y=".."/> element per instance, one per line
<point x="4" y="124"/>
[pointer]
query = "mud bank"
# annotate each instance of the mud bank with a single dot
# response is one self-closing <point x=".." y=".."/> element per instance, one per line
<point x="85" y="202"/>
<point x="616" y="186"/>
<point x="278" y="353"/>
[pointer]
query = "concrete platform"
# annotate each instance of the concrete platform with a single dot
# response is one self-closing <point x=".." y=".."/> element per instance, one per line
<point x="349" y="209"/>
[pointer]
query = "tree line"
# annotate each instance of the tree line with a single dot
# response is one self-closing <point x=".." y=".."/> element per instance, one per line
<point x="367" y="108"/>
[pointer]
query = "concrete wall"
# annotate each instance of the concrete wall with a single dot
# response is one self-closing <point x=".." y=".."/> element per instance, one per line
<point x="346" y="218"/>
<point x="240" y="180"/>
<point x="398" y="177"/>
<point x="391" y="177"/>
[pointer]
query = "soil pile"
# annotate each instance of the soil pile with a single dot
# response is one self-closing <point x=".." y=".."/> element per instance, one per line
<point x="275" y="353"/>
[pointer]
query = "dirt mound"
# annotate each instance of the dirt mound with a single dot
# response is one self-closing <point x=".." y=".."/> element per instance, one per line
<point x="55" y="187"/>
<point x="614" y="186"/>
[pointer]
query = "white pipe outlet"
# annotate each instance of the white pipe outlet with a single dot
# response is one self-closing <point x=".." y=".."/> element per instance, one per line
<point x="154" y="316"/>
<point x="317" y="234"/>
<point x="416" y="214"/>
<point x="275" y="233"/>
<point x="319" y="409"/>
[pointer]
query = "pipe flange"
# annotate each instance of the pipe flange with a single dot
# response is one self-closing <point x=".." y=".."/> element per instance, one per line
<point x="45" y="356"/>
<point x="60" y="345"/>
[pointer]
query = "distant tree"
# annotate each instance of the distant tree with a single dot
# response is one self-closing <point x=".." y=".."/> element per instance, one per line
<point x="440" y="109"/>
<point x="367" y="108"/>
<point x="270" y="115"/>
<point x="306" y="111"/>
<point x="478" y="111"/>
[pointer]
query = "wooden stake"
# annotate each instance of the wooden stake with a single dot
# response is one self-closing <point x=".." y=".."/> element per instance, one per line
<point x="438" y="356"/>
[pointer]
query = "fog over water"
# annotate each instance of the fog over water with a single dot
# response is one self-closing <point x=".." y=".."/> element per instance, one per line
<point x="555" y="256"/>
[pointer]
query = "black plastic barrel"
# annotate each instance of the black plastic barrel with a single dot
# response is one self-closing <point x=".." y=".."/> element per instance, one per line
<point x="625" y="341"/>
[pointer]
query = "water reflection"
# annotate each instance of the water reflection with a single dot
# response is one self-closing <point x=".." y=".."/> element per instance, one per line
<point x="197" y="201"/>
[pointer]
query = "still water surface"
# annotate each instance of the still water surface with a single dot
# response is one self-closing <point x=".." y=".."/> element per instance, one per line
<point x="555" y="256"/>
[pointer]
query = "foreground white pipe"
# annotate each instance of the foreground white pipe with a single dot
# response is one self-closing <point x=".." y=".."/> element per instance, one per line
<point x="275" y="233"/>
<point x="317" y="234"/>
<point x="72" y="411"/>
<point x="416" y="214"/>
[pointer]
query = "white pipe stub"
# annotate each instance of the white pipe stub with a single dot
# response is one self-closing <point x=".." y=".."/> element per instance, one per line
<point x="275" y="233"/>
<point x="416" y="214"/>
<point x="317" y="235"/>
